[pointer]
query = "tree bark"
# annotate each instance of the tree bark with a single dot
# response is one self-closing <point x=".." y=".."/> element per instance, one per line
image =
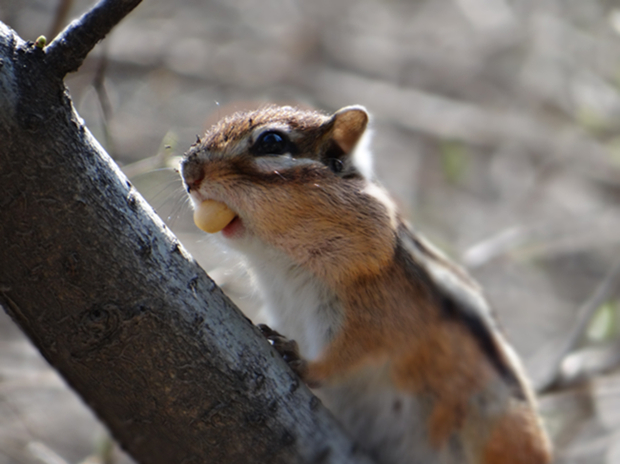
<point x="114" y="302"/>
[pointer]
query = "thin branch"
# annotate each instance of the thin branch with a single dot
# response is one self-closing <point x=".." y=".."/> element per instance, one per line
<point x="104" y="100"/>
<point x="68" y="51"/>
<point x="602" y="293"/>
<point x="588" y="363"/>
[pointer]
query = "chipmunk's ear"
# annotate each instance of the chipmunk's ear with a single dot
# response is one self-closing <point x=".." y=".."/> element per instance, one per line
<point x="348" y="126"/>
<point x="348" y="139"/>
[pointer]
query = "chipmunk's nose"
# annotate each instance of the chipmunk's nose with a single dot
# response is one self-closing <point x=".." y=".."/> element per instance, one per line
<point x="192" y="171"/>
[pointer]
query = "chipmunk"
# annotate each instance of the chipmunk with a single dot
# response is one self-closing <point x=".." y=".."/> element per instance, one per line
<point x="397" y="341"/>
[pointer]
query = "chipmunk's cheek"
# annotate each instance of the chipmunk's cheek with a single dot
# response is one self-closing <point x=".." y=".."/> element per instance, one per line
<point x="213" y="216"/>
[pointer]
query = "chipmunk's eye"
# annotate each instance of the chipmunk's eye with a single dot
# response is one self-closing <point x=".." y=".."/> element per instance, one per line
<point x="271" y="143"/>
<point x="335" y="165"/>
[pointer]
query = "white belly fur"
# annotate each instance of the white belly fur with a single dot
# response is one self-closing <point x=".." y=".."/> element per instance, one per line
<point x="385" y="422"/>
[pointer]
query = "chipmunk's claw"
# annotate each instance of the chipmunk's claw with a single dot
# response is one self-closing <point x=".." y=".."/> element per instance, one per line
<point x="288" y="349"/>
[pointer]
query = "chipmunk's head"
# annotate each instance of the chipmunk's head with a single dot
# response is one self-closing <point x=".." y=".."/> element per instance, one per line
<point x="297" y="180"/>
<point x="276" y="135"/>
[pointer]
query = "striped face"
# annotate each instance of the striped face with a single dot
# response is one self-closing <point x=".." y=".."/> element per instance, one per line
<point x="294" y="181"/>
<point x="280" y="135"/>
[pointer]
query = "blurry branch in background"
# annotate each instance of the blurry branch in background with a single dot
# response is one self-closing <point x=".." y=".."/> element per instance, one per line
<point x="559" y="350"/>
<point x="44" y="454"/>
<point x="544" y="239"/>
<point x="104" y="100"/>
<point x="499" y="244"/>
<point x="163" y="159"/>
<point x="64" y="6"/>
<point x="561" y="362"/>
<point x="587" y="363"/>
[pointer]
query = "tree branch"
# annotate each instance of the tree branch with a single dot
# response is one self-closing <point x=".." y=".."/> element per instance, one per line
<point x="567" y="344"/>
<point x="114" y="302"/>
<point x="68" y="51"/>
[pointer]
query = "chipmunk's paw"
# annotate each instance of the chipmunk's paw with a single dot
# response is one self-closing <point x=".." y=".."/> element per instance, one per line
<point x="288" y="349"/>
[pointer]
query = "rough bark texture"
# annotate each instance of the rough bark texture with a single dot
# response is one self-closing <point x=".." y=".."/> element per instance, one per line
<point x="113" y="301"/>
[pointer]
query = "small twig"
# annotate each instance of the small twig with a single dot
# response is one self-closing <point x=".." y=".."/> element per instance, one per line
<point x="67" y="52"/>
<point x="587" y="363"/>
<point x="104" y="100"/>
<point x="498" y="244"/>
<point x="604" y="290"/>
<point x="98" y="84"/>
<point x="44" y="454"/>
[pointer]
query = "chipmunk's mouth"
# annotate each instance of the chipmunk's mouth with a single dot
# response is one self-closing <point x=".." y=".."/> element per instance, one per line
<point x="214" y="216"/>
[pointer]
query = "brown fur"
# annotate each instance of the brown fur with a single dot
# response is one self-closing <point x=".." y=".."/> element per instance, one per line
<point x="515" y="439"/>
<point x="438" y="346"/>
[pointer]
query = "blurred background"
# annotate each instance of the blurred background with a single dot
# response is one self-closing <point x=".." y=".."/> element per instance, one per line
<point x="497" y="129"/>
